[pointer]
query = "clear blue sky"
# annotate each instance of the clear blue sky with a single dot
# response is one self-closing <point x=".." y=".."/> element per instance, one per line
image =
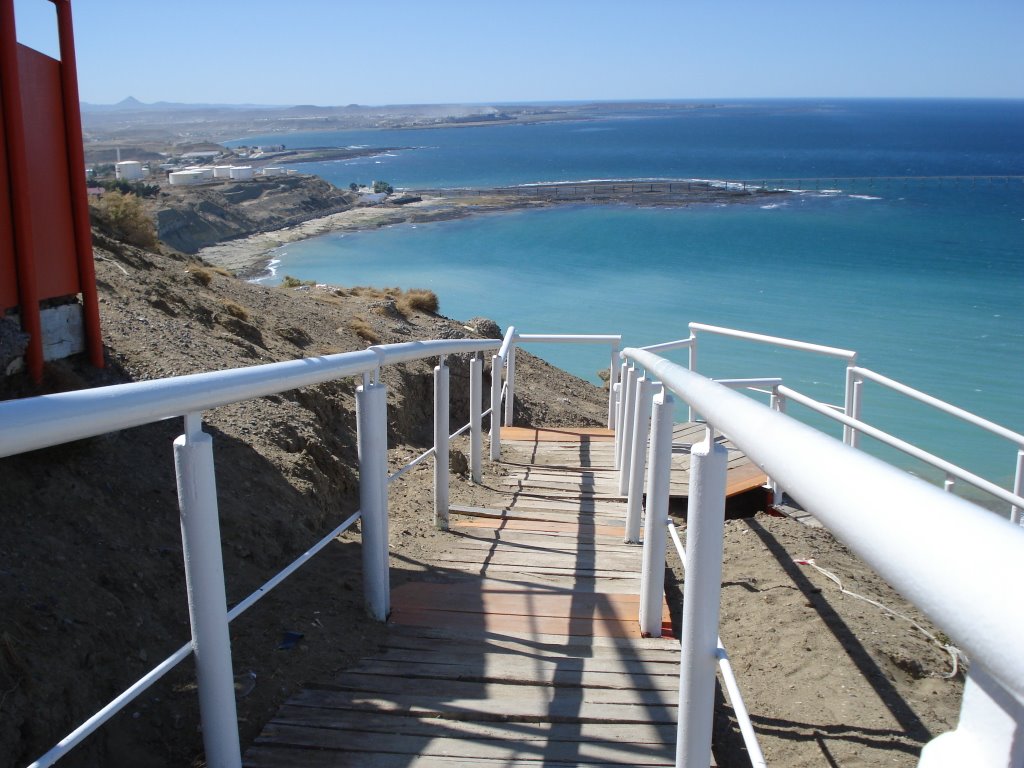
<point x="332" y="52"/>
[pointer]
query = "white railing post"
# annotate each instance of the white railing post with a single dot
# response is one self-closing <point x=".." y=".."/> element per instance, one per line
<point x="495" y="447"/>
<point x="476" y="390"/>
<point x="372" y="429"/>
<point x="705" y="523"/>
<point x="613" y="367"/>
<point x="691" y="357"/>
<point x="626" y="438"/>
<point x="659" y="473"/>
<point x="854" y="387"/>
<point x="641" y="431"/>
<point x="990" y="730"/>
<point x="775" y="403"/>
<point x="620" y="397"/>
<point x="207" y="601"/>
<point x="442" y="423"/>
<point x="1018" y="488"/>
<point x="510" y="377"/>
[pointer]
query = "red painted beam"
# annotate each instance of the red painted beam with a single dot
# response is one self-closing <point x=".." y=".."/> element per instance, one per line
<point x="76" y="174"/>
<point x="14" y="125"/>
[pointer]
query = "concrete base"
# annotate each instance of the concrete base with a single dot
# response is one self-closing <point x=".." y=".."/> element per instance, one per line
<point x="63" y="334"/>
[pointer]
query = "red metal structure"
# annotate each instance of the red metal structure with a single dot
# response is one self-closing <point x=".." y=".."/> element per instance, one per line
<point x="45" y="236"/>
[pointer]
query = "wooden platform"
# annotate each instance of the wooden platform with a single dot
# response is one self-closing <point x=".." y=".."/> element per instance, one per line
<point x="519" y="647"/>
<point x="591" y="452"/>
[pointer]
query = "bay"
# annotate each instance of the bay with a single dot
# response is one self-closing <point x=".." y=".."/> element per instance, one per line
<point x="922" y="278"/>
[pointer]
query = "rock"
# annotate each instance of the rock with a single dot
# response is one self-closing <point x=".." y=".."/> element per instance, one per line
<point x="485" y="327"/>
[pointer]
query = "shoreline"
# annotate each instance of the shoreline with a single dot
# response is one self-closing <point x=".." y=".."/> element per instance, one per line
<point x="249" y="256"/>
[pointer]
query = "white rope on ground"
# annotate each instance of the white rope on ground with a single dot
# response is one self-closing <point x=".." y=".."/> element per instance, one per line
<point x="955" y="654"/>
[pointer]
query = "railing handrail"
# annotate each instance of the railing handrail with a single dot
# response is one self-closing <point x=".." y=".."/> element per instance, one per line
<point x="47" y="420"/>
<point x="942" y="405"/>
<point x="666" y="346"/>
<point x="779" y="341"/>
<point x="902" y="445"/>
<point x="569" y="338"/>
<point x="907" y="530"/>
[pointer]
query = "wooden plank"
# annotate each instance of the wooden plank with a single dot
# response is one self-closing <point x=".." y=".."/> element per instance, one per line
<point x="485" y="749"/>
<point x="304" y="757"/>
<point x="562" y="434"/>
<point x="524" y="705"/>
<point x="637" y="733"/>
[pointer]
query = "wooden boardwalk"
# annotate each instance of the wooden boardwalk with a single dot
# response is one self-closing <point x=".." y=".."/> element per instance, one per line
<point x="520" y="648"/>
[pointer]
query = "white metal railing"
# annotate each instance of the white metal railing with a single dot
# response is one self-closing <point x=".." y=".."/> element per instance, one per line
<point x="877" y="507"/>
<point x="48" y="420"/>
<point x="849" y="413"/>
<point x="949" y="557"/>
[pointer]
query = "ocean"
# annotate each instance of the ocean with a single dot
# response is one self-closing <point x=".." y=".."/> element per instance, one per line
<point x="922" y="277"/>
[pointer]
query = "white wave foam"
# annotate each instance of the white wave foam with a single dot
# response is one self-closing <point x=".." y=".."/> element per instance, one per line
<point x="865" y="197"/>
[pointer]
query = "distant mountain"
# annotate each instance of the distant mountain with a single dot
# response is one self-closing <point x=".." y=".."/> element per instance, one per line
<point x="131" y="104"/>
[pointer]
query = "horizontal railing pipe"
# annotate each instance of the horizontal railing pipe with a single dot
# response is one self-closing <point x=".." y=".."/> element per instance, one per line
<point x="47" y="420"/>
<point x="907" y="530"/>
<point x="568" y="338"/>
<point x="778" y="341"/>
<point x="667" y="346"/>
<point x="941" y="405"/>
<point x="902" y="445"/>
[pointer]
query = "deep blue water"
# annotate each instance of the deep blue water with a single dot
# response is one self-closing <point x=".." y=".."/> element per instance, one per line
<point x="923" y="279"/>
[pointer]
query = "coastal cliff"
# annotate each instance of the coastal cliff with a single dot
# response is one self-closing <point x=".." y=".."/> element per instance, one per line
<point x="189" y="218"/>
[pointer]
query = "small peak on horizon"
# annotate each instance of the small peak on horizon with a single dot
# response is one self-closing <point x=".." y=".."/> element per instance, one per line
<point x="129" y="101"/>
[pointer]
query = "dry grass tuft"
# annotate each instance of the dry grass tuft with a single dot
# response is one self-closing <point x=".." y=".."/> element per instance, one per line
<point x="236" y="310"/>
<point x="364" y="330"/>
<point x="418" y="300"/>
<point x="201" y="275"/>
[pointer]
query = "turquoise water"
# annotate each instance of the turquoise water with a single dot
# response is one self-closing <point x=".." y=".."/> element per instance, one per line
<point x="922" y="279"/>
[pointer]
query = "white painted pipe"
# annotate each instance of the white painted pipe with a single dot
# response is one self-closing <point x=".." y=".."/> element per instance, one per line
<point x="476" y="389"/>
<point x="495" y="422"/>
<point x="705" y="524"/>
<point x="441" y="453"/>
<point x="510" y="382"/>
<point x="638" y="454"/>
<point x="207" y="602"/>
<point x="905" y="529"/>
<point x="372" y="428"/>
<point x="626" y="443"/>
<point x="620" y="396"/>
<point x="1018" y="489"/>
<point x="942" y="405"/>
<point x="778" y="341"/>
<point x="659" y="471"/>
<point x="990" y="730"/>
<point x="612" y="368"/>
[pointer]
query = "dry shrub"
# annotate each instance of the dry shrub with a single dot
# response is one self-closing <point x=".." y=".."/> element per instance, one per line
<point x="364" y="330"/>
<point x="124" y="218"/>
<point x="236" y="310"/>
<point x="199" y="274"/>
<point x="419" y="300"/>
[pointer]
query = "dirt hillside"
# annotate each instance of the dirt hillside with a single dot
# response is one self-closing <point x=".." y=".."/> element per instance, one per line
<point x="91" y="576"/>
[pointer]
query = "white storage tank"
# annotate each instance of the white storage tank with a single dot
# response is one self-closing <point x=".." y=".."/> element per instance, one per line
<point x="128" y="170"/>
<point x="179" y="178"/>
<point x="206" y="172"/>
<point x="222" y="171"/>
<point x="241" y="172"/>
<point x="273" y="171"/>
